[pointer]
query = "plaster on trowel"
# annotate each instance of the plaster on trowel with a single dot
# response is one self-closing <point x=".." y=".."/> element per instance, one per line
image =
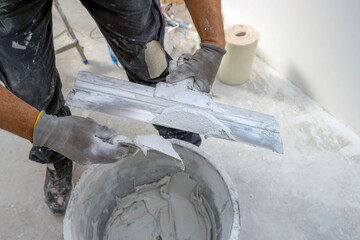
<point x="177" y="106"/>
<point x="151" y="142"/>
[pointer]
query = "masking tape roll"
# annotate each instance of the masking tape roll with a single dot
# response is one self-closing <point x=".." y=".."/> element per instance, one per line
<point x="236" y="65"/>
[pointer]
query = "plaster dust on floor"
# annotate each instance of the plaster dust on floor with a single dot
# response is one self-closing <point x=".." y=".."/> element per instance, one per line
<point x="170" y="209"/>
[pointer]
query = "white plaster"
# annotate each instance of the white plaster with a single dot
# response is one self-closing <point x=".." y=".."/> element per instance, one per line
<point x="184" y="92"/>
<point x="160" y="144"/>
<point x="193" y="120"/>
<point x="151" y="142"/>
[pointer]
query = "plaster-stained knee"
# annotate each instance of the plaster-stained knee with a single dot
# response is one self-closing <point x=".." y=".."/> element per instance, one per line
<point x="155" y="59"/>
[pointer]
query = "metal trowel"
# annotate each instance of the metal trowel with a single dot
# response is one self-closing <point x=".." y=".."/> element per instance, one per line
<point x="177" y="106"/>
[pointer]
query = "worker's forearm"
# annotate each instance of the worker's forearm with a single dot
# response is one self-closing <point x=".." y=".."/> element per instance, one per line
<point x="16" y="116"/>
<point x="207" y="18"/>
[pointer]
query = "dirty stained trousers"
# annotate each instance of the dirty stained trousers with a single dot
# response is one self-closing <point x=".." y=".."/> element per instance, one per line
<point x="27" y="57"/>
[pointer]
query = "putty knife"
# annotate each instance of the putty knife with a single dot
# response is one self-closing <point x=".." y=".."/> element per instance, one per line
<point x="176" y="106"/>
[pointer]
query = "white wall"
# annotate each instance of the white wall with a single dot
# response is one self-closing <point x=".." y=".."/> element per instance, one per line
<point x="314" y="43"/>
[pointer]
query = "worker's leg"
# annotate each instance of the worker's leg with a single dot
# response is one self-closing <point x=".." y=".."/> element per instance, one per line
<point x="27" y="58"/>
<point x="128" y="26"/>
<point x="27" y="69"/>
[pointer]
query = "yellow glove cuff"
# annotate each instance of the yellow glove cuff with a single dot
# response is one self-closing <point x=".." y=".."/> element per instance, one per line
<point x="37" y="119"/>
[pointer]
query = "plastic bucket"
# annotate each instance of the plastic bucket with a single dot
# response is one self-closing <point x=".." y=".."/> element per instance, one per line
<point x="94" y="197"/>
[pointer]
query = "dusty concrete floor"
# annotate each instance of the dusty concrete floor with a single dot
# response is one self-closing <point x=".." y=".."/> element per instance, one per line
<point x="310" y="192"/>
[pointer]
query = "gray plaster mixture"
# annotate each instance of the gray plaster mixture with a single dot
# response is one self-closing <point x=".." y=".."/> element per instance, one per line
<point x="149" y="197"/>
<point x="193" y="120"/>
<point x="170" y="208"/>
<point x="151" y="142"/>
<point x="186" y="116"/>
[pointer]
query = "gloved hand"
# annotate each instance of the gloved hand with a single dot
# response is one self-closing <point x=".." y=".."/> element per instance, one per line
<point x="202" y="66"/>
<point x="80" y="139"/>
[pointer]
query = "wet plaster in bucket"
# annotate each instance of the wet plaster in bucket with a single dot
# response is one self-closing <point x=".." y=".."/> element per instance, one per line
<point x="147" y="197"/>
<point x="168" y="209"/>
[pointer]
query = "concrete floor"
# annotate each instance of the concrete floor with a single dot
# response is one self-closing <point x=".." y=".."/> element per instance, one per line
<point x="310" y="192"/>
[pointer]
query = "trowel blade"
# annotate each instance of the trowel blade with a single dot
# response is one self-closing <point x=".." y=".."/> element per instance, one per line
<point x="164" y="106"/>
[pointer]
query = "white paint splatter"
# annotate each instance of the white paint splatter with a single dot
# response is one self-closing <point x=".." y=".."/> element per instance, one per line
<point x="29" y="36"/>
<point x="208" y="27"/>
<point x="18" y="46"/>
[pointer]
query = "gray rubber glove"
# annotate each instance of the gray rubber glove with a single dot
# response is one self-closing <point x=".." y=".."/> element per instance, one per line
<point x="80" y="139"/>
<point x="202" y="66"/>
